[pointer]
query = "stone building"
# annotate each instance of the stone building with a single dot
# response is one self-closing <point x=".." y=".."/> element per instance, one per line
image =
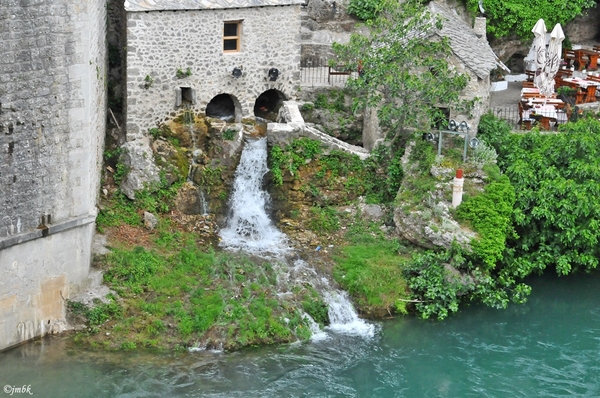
<point x="472" y="55"/>
<point x="226" y="59"/>
<point x="52" y="122"/>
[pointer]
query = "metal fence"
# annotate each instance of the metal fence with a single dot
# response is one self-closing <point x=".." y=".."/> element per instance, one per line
<point x="316" y="71"/>
<point x="510" y="114"/>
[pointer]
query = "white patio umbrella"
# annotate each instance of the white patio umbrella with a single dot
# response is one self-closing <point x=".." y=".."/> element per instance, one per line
<point x="539" y="46"/>
<point x="553" y="58"/>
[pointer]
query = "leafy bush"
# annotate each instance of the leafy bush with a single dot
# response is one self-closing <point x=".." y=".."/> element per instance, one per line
<point x="292" y="157"/>
<point x="490" y="214"/>
<point x="366" y="9"/>
<point x="385" y="174"/>
<point x="483" y="154"/>
<point x="437" y="289"/>
<point x="557" y="210"/>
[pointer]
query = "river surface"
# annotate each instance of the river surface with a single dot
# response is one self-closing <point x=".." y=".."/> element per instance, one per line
<point x="549" y="347"/>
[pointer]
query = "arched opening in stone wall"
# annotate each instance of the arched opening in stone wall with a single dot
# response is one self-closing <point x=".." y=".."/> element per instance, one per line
<point x="516" y="63"/>
<point x="225" y="107"/>
<point x="268" y="103"/>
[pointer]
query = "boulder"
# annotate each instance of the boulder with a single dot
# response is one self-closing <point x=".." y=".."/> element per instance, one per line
<point x="139" y="161"/>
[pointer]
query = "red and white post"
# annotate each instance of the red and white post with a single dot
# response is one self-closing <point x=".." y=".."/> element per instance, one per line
<point x="457" y="188"/>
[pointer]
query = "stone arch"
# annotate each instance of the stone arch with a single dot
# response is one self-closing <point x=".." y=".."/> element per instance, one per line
<point x="268" y="103"/>
<point x="226" y="107"/>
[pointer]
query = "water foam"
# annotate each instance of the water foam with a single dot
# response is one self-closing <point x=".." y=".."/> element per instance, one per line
<point x="249" y="227"/>
<point x="343" y="317"/>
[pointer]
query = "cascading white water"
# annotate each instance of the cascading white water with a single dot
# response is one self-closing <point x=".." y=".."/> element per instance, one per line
<point x="343" y="317"/>
<point x="249" y="227"/>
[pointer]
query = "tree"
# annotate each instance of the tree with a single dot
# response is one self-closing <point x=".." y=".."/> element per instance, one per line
<point x="404" y="71"/>
<point x="508" y="17"/>
<point x="556" y="178"/>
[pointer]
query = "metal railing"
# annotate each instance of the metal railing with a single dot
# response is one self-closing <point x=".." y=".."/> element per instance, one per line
<point x="315" y="71"/>
<point x="510" y="114"/>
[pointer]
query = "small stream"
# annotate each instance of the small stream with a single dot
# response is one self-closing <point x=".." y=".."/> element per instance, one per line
<point x="250" y="230"/>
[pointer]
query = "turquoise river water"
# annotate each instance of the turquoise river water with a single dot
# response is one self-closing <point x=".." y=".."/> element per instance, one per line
<point x="549" y="347"/>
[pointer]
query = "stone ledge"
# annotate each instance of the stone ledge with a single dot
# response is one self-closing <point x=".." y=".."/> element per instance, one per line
<point x="53" y="229"/>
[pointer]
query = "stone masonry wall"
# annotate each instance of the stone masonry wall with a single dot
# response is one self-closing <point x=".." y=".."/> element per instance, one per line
<point x="52" y="122"/>
<point x="160" y="43"/>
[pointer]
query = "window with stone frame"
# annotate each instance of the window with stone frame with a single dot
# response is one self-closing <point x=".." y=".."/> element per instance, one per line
<point x="232" y="36"/>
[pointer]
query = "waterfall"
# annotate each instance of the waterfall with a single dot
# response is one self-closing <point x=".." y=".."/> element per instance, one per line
<point x="249" y="227"/>
<point x="343" y="317"/>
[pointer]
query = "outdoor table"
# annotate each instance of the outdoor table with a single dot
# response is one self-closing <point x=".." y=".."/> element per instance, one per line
<point x="555" y="102"/>
<point x="530" y="90"/>
<point x="588" y="85"/>
<point x="592" y="56"/>
<point x="546" y="115"/>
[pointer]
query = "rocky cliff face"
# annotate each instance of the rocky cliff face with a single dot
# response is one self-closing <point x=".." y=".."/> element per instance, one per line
<point x="425" y="219"/>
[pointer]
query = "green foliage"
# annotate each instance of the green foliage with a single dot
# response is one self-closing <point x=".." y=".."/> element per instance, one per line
<point x="155" y="198"/>
<point x="290" y="158"/>
<point x="408" y="78"/>
<point x="148" y="81"/>
<point x="490" y="215"/>
<point x="314" y="306"/>
<point x="324" y="219"/>
<point x="334" y="101"/>
<point x="378" y="177"/>
<point x="180" y="73"/>
<point x="119" y="210"/>
<point x="120" y="173"/>
<point x="367" y="9"/>
<point x="566" y="91"/>
<point x="99" y="313"/>
<point x="229" y="134"/>
<point x="385" y="175"/>
<point x="483" y="154"/>
<point x="510" y="17"/>
<point x="222" y="294"/>
<point x="423" y="155"/>
<point x="307" y="107"/>
<point x="155" y="132"/>
<point x="437" y="288"/>
<point x="557" y="210"/>
<point x="370" y="269"/>
<point x="133" y="267"/>
<point x="208" y="177"/>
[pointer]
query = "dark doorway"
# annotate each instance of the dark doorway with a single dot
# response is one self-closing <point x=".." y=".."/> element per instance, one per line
<point x="268" y="103"/>
<point x="221" y="107"/>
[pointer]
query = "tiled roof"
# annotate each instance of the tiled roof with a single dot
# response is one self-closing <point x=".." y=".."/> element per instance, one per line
<point x="473" y="51"/>
<point x="161" y="5"/>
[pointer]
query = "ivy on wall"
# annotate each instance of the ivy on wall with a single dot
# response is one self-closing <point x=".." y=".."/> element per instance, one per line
<point x="508" y="17"/>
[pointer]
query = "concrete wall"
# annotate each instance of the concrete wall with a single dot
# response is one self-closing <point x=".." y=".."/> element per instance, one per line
<point x="160" y="43"/>
<point x="52" y="122"/>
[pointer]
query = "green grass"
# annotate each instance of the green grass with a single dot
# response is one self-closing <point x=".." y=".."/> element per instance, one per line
<point x="221" y="297"/>
<point x="370" y="269"/>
